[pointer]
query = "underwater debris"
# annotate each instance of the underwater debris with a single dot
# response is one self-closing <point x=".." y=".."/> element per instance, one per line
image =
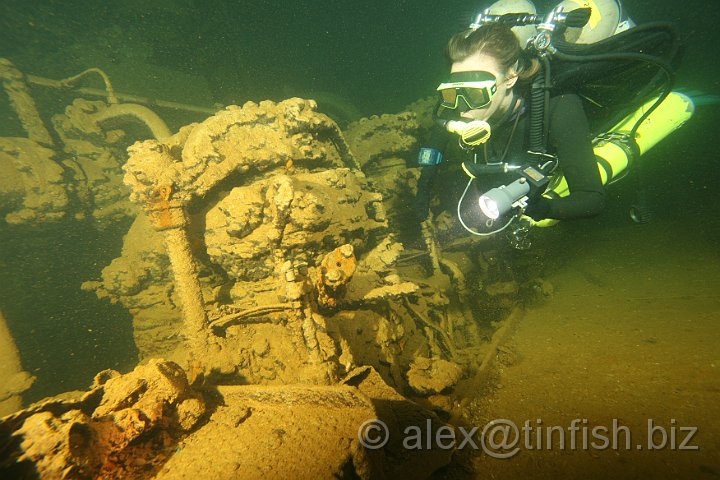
<point x="122" y="428"/>
<point x="272" y="259"/>
<point x="150" y="422"/>
<point x="262" y="256"/>
<point x="15" y="84"/>
<point x="433" y="375"/>
<point x="32" y="189"/>
<point x="381" y="137"/>
<point x="13" y="379"/>
<point x="264" y="226"/>
<point x="70" y="168"/>
<point x="385" y="147"/>
<point x="336" y="270"/>
<point x="263" y="260"/>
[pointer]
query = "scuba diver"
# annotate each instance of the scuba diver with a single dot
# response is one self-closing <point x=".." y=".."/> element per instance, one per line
<point x="489" y="81"/>
<point x="520" y="116"/>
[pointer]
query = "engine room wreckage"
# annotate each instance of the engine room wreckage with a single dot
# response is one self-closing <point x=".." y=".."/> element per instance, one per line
<point x="262" y="253"/>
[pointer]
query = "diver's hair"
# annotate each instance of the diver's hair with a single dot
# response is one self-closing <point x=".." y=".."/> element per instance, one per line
<point x="497" y="41"/>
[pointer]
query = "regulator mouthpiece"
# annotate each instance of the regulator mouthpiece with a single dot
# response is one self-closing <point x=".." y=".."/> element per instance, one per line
<point x="472" y="133"/>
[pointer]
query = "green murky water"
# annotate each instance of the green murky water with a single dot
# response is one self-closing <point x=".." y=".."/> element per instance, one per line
<point x="365" y="58"/>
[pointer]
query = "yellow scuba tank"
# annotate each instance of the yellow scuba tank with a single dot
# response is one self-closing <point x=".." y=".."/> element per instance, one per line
<point x="612" y="149"/>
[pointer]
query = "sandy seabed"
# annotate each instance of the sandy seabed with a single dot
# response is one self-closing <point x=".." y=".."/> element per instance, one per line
<point x="631" y="339"/>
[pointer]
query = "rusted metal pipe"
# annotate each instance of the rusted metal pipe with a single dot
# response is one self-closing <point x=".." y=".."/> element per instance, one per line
<point x="169" y="217"/>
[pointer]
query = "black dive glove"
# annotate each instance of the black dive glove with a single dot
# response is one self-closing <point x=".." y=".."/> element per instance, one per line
<point x="538" y="208"/>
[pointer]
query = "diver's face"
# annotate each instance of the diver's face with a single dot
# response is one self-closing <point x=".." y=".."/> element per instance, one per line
<point x="502" y="101"/>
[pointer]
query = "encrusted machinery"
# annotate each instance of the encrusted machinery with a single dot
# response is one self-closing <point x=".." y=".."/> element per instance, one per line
<point x="262" y="224"/>
<point x="67" y="167"/>
<point x="70" y="166"/>
<point x="276" y="241"/>
<point x="256" y="221"/>
<point x="264" y="255"/>
<point x="261" y="255"/>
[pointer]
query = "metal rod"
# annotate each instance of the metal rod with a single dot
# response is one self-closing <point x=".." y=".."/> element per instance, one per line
<point x="98" y="92"/>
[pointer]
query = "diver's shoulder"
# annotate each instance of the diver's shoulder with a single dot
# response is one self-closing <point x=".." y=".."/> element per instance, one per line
<point x="568" y="107"/>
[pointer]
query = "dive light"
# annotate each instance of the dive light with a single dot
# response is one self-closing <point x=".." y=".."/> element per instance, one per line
<point x="500" y="200"/>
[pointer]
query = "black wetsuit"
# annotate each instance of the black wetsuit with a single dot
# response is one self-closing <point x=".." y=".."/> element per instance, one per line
<point x="569" y="138"/>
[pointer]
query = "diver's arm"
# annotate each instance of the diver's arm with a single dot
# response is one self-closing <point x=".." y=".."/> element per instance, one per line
<point x="570" y="136"/>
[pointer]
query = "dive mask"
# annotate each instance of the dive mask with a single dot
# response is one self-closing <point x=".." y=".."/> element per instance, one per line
<point x="476" y="89"/>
